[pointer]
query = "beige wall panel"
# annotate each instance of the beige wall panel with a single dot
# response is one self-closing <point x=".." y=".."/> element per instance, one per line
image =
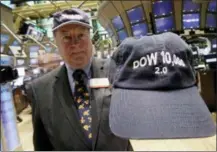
<point x="203" y="15"/>
<point x="109" y="10"/>
<point x="103" y="21"/>
<point x="147" y="5"/>
<point x="105" y="15"/>
<point x="102" y="5"/>
<point x="106" y="23"/>
<point x="101" y="18"/>
<point x="129" y="4"/>
<point x="7" y="17"/>
<point x="178" y="11"/>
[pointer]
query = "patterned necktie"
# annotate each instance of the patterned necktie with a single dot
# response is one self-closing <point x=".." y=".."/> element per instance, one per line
<point x="82" y="100"/>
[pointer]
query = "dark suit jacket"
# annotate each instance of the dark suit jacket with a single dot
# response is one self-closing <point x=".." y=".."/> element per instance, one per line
<point x="55" y="118"/>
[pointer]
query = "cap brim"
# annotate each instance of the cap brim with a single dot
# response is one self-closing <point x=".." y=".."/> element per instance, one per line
<point x="136" y="114"/>
<point x="72" y="22"/>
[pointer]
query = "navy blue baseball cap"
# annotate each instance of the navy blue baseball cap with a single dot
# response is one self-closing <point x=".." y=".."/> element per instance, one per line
<point x="119" y="55"/>
<point x="70" y="16"/>
<point x="155" y="94"/>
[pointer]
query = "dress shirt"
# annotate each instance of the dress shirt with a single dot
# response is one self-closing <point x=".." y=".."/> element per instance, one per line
<point x="70" y="73"/>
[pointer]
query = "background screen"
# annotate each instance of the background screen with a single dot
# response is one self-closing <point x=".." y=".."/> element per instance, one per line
<point x="211" y="20"/>
<point x="35" y="32"/>
<point x="48" y="49"/>
<point x="20" y="62"/>
<point x="33" y="51"/>
<point x="110" y="33"/>
<point x="191" y="21"/>
<point x="162" y="8"/>
<point x="214" y="43"/>
<point x="4" y="39"/>
<point x="189" y="6"/>
<point x="139" y="30"/>
<point x="212" y="6"/>
<point x="122" y="35"/>
<point x="2" y="49"/>
<point x="33" y="61"/>
<point x="15" y="43"/>
<point x="164" y="24"/>
<point x="117" y="23"/>
<point x="136" y="15"/>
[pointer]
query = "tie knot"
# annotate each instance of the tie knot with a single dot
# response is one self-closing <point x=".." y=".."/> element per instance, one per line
<point x="79" y="75"/>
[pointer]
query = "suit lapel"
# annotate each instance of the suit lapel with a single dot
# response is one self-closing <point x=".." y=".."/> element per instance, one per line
<point x="96" y="103"/>
<point x="64" y="96"/>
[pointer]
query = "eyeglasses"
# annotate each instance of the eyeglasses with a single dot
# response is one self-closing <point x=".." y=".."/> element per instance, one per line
<point x="67" y="38"/>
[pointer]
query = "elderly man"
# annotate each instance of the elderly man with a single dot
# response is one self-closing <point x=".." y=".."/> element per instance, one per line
<point x="69" y="113"/>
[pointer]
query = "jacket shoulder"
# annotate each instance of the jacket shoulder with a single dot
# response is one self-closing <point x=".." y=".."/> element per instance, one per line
<point x="45" y="79"/>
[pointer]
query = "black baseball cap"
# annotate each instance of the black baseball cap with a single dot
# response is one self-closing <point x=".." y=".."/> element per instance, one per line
<point x="70" y="16"/>
<point x="155" y="94"/>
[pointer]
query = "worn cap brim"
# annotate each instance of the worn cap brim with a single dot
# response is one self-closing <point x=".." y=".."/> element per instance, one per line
<point x="140" y="114"/>
<point x="72" y="22"/>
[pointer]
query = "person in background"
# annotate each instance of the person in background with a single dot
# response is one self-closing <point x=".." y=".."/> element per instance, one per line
<point x="68" y="112"/>
<point x="26" y="80"/>
<point x="28" y="76"/>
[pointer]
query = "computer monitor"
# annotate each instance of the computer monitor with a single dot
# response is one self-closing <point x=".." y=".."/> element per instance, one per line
<point x="35" y="33"/>
<point x="211" y="20"/>
<point x="214" y="43"/>
<point x="139" y="29"/>
<point x="136" y="14"/>
<point x="36" y="71"/>
<point x="56" y="50"/>
<point x="15" y="43"/>
<point x="20" y="62"/>
<point x="8" y="4"/>
<point x="161" y="8"/>
<point x="48" y="49"/>
<point x="190" y="6"/>
<point x="191" y="21"/>
<point x="117" y="23"/>
<point x="4" y="38"/>
<point x="33" y="51"/>
<point x="122" y="34"/>
<point x="212" y="6"/>
<point x="33" y="61"/>
<point x="164" y="24"/>
<point x="110" y="33"/>
<point x="2" y="49"/>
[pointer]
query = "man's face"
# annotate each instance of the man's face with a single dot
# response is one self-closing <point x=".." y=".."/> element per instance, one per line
<point x="74" y="44"/>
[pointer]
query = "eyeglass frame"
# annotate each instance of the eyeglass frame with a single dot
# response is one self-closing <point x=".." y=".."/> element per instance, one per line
<point x="75" y="39"/>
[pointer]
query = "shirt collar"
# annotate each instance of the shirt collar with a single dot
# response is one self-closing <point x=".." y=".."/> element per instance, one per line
<point x="86" y="69"/>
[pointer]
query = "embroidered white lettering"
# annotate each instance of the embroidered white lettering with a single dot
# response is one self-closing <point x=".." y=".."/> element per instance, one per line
<point x="152" y="59"/>
<point x="143" y="62"/>
<point x="146" y="60"/>
<point x="135" y="64"/>
<point x="78" y="17"/>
